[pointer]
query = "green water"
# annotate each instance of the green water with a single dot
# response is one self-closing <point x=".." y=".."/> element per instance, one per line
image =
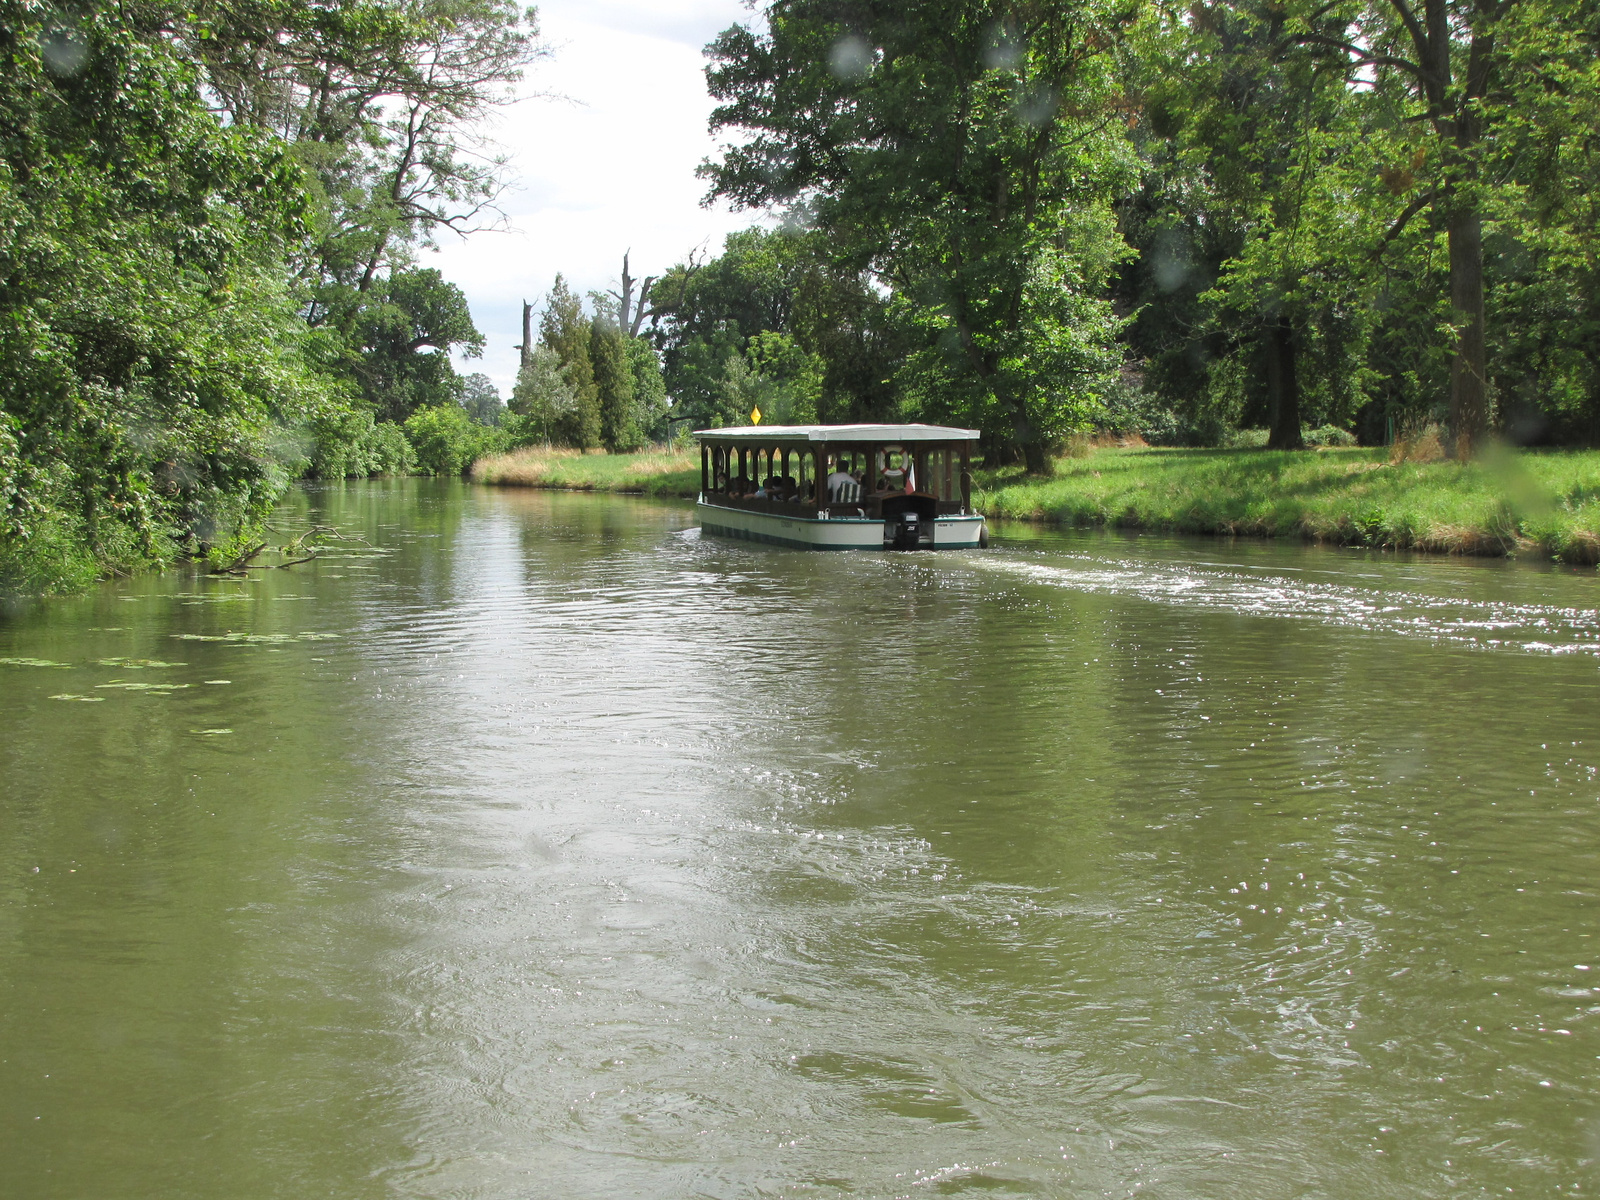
<point x="545" y="849"/>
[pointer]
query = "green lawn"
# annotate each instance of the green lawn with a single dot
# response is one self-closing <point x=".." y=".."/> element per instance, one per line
<point x="1544" y="502"/>
<point x="1529" y="502"/>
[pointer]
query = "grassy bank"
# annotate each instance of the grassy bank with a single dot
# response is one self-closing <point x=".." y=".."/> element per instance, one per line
<point x="1545" y="503"/>
<point x="1533" y="503"/>
<point x="651" y="472"/>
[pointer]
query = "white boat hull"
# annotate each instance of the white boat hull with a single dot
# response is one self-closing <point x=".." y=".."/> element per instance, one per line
<point x="836" y="533"/>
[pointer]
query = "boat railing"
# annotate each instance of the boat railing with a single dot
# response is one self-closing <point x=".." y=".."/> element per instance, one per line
<point x="869" y="506"/>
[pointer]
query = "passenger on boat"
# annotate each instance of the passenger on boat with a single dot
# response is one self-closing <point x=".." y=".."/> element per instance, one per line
<point x="841" y="482"/>
<point x="740" y="486"/>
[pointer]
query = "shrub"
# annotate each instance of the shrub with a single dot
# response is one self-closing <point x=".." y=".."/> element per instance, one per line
<point x="447" y="441"/>
<point x="1329" y="435"/>
<point x="1246" y="439"/>
<point x="390" y="451"/>
<point x="352" y="445"/>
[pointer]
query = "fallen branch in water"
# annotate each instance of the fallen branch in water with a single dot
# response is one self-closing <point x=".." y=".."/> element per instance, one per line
<point x="313" y="540"/>
<point x="238" y="564"/>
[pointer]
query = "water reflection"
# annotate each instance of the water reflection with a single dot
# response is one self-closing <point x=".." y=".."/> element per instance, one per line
<point x="577" y="855"/>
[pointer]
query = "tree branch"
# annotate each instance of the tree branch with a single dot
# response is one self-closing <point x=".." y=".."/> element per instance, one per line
<point x="1421" y="202"/>
<point x="1363" y="57"/>
<point x="1419" y="35"/>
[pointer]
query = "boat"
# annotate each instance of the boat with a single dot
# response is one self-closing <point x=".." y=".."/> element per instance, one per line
<point x="841" y="487"/>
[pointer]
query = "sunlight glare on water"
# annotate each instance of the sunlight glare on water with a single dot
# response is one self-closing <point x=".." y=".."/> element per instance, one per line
<point x="544" y="848"/>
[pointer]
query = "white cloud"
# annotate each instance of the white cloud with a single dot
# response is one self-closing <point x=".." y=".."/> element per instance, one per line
<point x="610" y="169"/>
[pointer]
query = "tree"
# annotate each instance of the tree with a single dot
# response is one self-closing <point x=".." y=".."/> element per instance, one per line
<point x="148" y="344"/>
<point x="383" y="102"/>
<point x="631" y="315"/>
<point x="1264" y="137"/>
<point x="787" y="382"/>
<point x="543" y="398"/>
<point x="481" y="399"/>
<point x="964" y="157"/>
<point x="613" y="382"/>
<point x="1437" y="65"/>
<point x="781" y="282"/>
<point x="1542" y="249"/>
<point x="404" y="339"/>
<point x="565" y="330"/>
<point x="447" y="441"/>
<point x="650" y="406"/>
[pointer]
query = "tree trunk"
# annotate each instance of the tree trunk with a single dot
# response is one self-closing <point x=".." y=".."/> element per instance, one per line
<point x="1283" y="388"/>
<point x="1454" y="96"/>
<point x="527" y="335"/>
<point x="1469" y="392"/>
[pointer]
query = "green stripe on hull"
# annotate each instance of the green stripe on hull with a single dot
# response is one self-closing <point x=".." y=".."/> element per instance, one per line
<point x="771" y="539"/>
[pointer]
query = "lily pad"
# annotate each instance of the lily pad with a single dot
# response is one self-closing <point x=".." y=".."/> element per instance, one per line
<point x="216" y="681"/>
<point x="31" y="662"/>
<point x="210" y="732"/>
<point x="137" y="664"/>
<point x="85" y="699"/>
<point x="142" y="687"/>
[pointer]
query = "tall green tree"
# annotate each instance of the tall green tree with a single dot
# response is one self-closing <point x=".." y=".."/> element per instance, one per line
<point x="1259" y="135"/>
<point x="613" y="382"/>
<point x="1439" y="68"/>
<point x="149" y="351"/>
<point x="481" y="399"/>
<point x="964" y="154"/>
<point x="403" y="339"/>
<point x="1542" y="248"/>
<point x="650" y="406"/>
<point x="706" y="313"/>
<point x="542" y="399"/>
<point x="564" y="329"/>
<point x="384" y="102"/>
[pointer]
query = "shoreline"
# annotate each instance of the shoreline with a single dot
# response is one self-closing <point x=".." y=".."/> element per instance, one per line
<point x="1505" y="505"/>
<point x="654" y="472"/>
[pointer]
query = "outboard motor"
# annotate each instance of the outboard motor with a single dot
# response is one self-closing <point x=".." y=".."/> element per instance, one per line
<point x="906" y="530"/>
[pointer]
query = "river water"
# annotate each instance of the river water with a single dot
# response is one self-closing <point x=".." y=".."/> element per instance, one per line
<point x="542" y="848"/>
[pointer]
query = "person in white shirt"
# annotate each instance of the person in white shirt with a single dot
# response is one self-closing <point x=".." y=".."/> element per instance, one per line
<point x="840" y="478"/>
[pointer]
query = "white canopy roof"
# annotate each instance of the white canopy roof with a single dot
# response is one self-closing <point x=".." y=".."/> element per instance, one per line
<point x="880" y="434"/>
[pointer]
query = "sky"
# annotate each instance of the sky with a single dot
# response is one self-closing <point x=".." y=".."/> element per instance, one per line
<point x="608" y="169"/>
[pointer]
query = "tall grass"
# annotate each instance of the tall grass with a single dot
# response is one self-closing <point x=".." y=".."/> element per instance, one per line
<point x="1504" y="503"/>
<point x="649" y="472"/>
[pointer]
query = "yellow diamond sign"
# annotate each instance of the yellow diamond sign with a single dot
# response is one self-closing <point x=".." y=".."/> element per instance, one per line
<point x="755" y="415"/>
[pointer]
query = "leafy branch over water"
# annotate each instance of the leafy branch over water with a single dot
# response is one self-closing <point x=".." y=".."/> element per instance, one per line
<point x="303" y="547"/>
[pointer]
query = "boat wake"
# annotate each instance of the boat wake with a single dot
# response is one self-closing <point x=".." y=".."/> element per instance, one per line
<point x="1484" y="624"/>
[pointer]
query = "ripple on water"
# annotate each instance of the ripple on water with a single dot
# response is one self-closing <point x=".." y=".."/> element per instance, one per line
<point x="1535" y="628"/>
<point x="596" y="858"/>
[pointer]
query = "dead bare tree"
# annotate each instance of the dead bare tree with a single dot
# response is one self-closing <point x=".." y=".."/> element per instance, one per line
<point x="526" y="348"/>
<point x="630" y="317"/>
